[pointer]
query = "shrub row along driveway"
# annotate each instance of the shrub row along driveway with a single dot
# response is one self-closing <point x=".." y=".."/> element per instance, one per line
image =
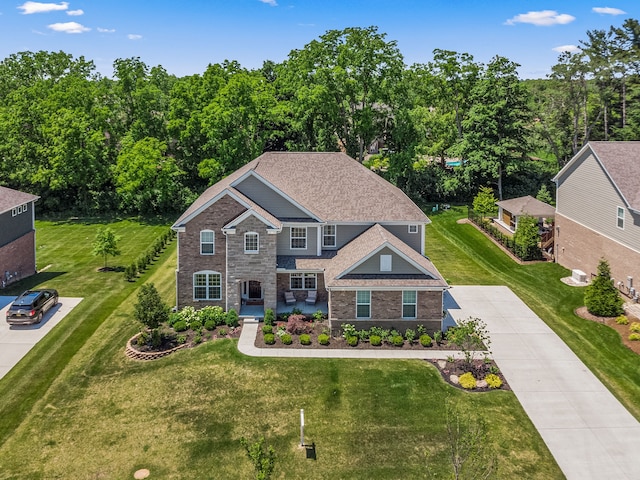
<point x="17" y="340"/>
<point x="590" y="434"/>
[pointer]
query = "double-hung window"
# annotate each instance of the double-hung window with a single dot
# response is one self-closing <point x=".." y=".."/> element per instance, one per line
<point x="303" y="281"/>
<point x="298" y="238"/>
<point x="207" y="285"/>
<point x="329" y="236"/>
<point x="409" y="304"/>
<point x="207" y="242"/>
<point x="251" y="242"/>
<point x="363" y="304"/>
<point x="620" y="217"/>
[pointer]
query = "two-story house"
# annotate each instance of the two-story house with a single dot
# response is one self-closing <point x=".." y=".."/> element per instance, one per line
<point x="310" y="231"/>
<point x="17" y="235"/>
<point x="598" y="212"/>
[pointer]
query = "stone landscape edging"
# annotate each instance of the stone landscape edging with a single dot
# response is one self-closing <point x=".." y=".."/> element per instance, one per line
<point x="137" y="355"/>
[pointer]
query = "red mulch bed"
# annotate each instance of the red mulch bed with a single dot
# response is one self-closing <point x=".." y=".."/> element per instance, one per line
<point x="623" y="330"/>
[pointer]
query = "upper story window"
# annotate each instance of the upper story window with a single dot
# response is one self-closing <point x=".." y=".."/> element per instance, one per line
<point x="413" y="228"/>
<point x="207" y="242"/>
<point x="19" y="209"/>
<point x="298" y="238"/>
<point x="620" y="217"/>
<point x="385" y="263"/>
<point x="207" y="285"/>
<point x="251" y="242"/>
<point x="329" y="236"/>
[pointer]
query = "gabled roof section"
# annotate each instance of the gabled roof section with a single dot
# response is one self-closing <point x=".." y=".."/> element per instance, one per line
<point x="527" y="206"/>
<point x="363" y="247"/>
<point x="10" y="198"/>
<point x="621" y="163"/>
<point x="266" y="218"/>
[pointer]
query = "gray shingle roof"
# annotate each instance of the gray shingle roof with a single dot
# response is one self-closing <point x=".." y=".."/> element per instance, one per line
<point x="621" y="160"/>
<point x="10" y="198"/>
<point x="527" y="205"/>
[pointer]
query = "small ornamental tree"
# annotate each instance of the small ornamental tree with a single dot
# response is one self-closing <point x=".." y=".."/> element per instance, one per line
<point x="106" y="244"/>
<point x="526" y="238"/>
<point x="484" y="202"/>
<point x="601" y="297"/>
<point x="150" y="310"/>
<point x="470" y="336"/>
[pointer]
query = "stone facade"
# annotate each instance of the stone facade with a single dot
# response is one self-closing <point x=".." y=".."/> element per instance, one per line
<point x="18" y="259"/>
<point x="386" y="310"/>
<point x="189" y="258"/>
<point x="578" y="247"/>
<point x="244" y="267"/>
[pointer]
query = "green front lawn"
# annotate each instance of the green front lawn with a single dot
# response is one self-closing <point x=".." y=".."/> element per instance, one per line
<point x="77" y="408"/>
<point x="465" y="256"/>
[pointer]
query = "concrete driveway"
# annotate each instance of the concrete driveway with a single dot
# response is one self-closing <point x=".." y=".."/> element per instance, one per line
<point x="17" y="340"/>
<point x="588" y="431"/>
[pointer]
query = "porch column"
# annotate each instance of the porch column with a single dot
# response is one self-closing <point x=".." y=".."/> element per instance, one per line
<point x="319" y="242"/>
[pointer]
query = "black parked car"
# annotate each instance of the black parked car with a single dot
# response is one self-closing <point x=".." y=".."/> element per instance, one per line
<point x="31" y="306"/>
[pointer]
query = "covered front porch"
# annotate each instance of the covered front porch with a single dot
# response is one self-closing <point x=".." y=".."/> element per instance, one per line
<point x="257" y="311"/>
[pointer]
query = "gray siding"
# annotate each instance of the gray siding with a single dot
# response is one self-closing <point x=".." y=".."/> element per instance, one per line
<point x="12" y="228"/>
<point x="269" y="199"/>
<point x="414" y="240"/>
<point x="284" y="242"/>
<point x="346" y="233"/>
<point x="586" y="195"/>
<point x="398" y="265"/>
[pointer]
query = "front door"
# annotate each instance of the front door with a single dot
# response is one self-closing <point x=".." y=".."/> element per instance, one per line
<point x="255" y="290"/>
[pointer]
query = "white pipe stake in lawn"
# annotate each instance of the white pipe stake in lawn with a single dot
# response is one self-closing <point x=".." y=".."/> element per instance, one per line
<point x="302" y="427"/>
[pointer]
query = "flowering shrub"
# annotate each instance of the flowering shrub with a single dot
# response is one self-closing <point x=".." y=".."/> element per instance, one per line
<point x="493" y="381"/>
<point x="467" y="381"/>
<point x="212" y="314"/>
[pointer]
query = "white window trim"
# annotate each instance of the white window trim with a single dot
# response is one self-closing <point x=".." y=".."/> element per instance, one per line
<point x="208" y="273"/>
<point x="386" y="263"/>
<point x="334" y="236"/>
<point x="257" y="250"/>
<point x="213" y="252"/>
<point x="359" y="304"/>
<point x="414" y="304"/>
<point x="620" y="217"/>
<point x="413" y="228"/>
<point x="303" y="276"/>
<point x="291" y="238"/>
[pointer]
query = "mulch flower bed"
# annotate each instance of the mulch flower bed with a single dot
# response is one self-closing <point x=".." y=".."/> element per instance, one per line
<point x="623" y="330"/>
<point x="480" y="368"/>
<point x="170" y="338"/>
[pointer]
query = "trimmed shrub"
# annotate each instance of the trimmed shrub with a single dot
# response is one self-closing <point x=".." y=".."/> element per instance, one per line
<point x="196" y="325"/>
<point x="150" y="310"/>
<point x="493" y="381"/>
<point x="269" y="317"/>
<point x="269" y="339"/>
<point x="142" y="339"/>
<point x="323" y="339"/>
<point x="425" y="340"/>
<point x="232" y="318"/>
<point x="180" y="326"/>
<point x="375" y="340"/>
<point x="352" y="341"/>
<point x="398" y="341"/>
<point x="634" y="337"/>
<point x="211" y="313"/>
<point x="267" y="329"/>
<point x="223" y="332"/>
<point x="467" y="381"/>
<point x="297" y="325"/>
<point x="130" y="272"/>
<point x="305" y="339"/>
<point x="602" y="297"/>
<point x="286" y="339"/>
<point x="635" y="327"/>
<point x="622" y="320"/>
<point x="210" y="325"/>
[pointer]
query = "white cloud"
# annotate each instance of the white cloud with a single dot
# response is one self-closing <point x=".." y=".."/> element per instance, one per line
<point x="36" y="7"/>
<point x="272" y="3"/>
<point x="133" y="36"/>
<point x="68" y="27"/>
<point x="543" y="18"/>
<point x="106" y="30"/>
<point x="75" y="13"/>
<point x="566" y="48"/>
<point x="608" y="11"/>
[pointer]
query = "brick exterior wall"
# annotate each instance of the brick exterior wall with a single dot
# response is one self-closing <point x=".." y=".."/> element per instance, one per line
<point x="259" y="267"/>
<point x="579" y="247"/>
<point x="18" y="256"/>
<point x="189" y="259"/>
<point x="386" y="310"/>
<point x="283" y="286"/>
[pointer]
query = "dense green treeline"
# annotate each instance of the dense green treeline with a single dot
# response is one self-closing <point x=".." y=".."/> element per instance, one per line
<point x="147" y="142"/>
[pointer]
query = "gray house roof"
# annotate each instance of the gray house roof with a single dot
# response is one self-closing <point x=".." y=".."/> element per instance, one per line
<point x="10" y="198"/>
<point x="621" y="162"/>
<point x="527" y="205"/>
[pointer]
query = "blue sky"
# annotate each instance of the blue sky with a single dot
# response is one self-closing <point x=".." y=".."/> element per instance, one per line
<point x="185" y="36"/>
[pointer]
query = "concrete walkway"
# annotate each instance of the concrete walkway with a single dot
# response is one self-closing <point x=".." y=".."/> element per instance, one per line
<point x="589" y="433"/>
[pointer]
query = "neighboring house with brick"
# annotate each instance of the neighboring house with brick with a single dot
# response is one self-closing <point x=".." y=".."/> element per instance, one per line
<point x="288" y="227"/>
<point x="17" y="235"/>
<point x="598" y="212"/>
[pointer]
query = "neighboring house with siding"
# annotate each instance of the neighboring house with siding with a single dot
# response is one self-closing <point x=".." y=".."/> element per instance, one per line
<point x="17" y="235"/>
<point x="302" y="224"/>
<point x="598" y="211"/>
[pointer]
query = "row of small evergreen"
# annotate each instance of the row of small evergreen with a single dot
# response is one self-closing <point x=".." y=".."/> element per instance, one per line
<point x="145" y="259"/>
